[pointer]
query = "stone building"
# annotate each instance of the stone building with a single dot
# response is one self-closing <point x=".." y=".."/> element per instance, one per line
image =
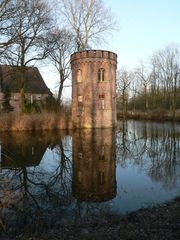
<point x="34" y="86"/>
<point x="93" y="89"/>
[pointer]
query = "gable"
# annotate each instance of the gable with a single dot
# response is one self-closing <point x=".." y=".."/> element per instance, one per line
<point x="34" y="83"/>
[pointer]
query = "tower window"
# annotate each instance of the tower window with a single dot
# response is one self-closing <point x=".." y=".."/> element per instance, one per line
<point x="80" y="104"/>
<point x="80" y="99"/>
<point x="101" y="101"/>
<point x="80" y="155"/>
<point x="101" y="75"/>
<point x="101" y="178"/>
<point x="101" y="96"/>
<point x="80" y="177"/>
<point x="79" y="76"/>
<point x="102" y="153"/>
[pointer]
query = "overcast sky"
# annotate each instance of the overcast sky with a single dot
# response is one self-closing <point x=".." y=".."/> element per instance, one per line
<point x="145" y="26"/>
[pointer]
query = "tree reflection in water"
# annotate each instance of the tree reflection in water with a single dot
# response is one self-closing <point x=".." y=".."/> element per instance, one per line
<point x="51" y="179"/>
<point x="29" y="193"/>
<point x="36" y="194"/>
<point x="154" y="147"/>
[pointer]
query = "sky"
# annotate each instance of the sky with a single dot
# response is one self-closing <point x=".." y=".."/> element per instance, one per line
<point x="145" y="26"/>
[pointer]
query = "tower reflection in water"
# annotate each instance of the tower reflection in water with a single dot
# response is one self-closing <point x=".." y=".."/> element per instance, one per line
<point x="94" y="173"/>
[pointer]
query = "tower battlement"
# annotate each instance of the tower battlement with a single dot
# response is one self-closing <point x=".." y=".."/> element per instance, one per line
<point x="95" y="54"/>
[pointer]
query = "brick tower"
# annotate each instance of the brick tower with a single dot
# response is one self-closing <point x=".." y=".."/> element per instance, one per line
<point x="93" y="89"/>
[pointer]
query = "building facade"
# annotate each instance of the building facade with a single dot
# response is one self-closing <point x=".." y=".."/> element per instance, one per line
<point x="94" y="89"/>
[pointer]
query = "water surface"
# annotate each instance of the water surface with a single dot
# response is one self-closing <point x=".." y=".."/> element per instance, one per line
<point x="54" y="177"/>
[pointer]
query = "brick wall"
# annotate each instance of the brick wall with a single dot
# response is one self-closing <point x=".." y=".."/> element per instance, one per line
<point x="94" y="89"/>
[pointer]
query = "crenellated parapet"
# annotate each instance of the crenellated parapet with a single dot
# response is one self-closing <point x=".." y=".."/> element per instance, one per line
<point x="93" y="55"/>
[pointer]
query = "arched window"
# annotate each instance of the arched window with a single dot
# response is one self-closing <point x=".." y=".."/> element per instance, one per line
<point x="79" y="76"/>
<point x="101" y="75"/>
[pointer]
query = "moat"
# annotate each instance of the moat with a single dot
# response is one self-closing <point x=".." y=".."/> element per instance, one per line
<point x="60" y="177"/>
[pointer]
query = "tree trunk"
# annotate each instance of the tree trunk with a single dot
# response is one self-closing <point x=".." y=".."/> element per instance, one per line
<point x="60" y="86"/>
<point x="22" y="94"/>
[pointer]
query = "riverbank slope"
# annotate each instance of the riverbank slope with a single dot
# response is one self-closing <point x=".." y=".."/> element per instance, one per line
<point x="159" y="222"/>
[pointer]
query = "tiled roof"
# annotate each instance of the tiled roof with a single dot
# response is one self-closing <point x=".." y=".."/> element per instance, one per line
<point x="10" y="77"/>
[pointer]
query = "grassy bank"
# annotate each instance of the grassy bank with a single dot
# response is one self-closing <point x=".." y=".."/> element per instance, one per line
<point x="35" y="121"/>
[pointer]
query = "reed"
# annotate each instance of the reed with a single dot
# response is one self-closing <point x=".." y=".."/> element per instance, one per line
<point x="35" y="121"/>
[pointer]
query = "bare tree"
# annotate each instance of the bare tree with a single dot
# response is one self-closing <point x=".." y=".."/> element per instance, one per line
<point x="144" y="76"/>
<point x="124" y="79"/>
<point x="155" y="83"/>
<point x="7" y="12"/>
<point x="29" y="24"/>
<point x="62" y="45"/>
<point x="167" y="62"/>
<point x="88" y="20"/>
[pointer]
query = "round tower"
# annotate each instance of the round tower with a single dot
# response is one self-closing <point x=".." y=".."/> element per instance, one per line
<point x="93" y="89"/>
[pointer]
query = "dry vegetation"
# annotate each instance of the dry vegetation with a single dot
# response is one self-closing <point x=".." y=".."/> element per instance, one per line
<point x="52" y="120"/>
<point x="36" y="121"/>
<point x="154" y="115"/>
